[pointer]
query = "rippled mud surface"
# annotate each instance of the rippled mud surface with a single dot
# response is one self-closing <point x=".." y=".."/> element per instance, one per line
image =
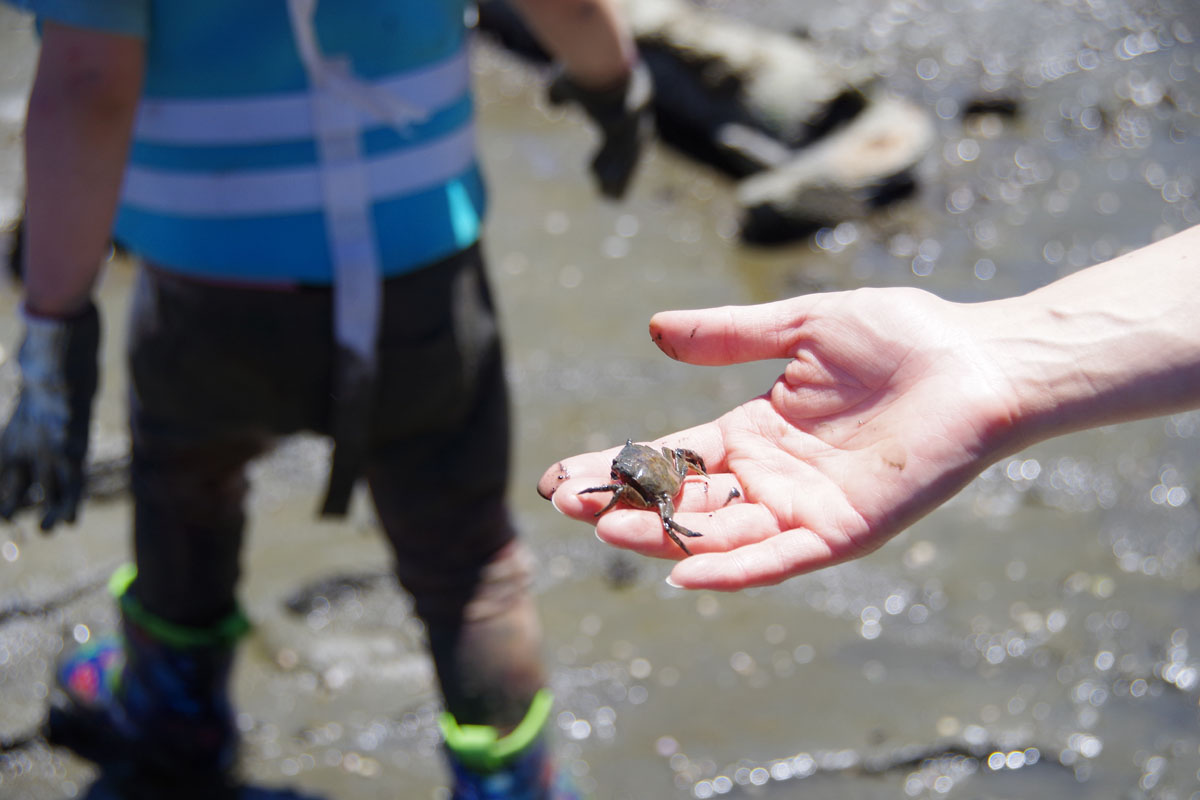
<point x="1037" y="637"/>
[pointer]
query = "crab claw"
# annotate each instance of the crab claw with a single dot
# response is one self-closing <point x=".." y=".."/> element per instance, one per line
<point x="691" y="458"/>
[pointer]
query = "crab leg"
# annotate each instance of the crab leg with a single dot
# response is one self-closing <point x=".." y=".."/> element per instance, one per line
<point x="666" y="511"/>
<point x="615" y="488"/>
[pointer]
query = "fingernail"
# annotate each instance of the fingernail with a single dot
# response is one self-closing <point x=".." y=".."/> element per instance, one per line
<point x="562" y="476"/>
<point x="554" y="502"/>
<point x="672" y="583"/>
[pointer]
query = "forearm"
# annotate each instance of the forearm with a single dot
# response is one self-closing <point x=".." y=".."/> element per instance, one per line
<point x="588" y="37"/>
<point x="1114" y="342"/>
<point x="77" y="135"/>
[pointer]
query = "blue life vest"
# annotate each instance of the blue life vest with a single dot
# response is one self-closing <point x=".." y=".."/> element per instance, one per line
<point x="228" y="177"/>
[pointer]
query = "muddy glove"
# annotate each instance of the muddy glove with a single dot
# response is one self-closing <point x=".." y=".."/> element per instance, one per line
<point x="624" y="115"/>
<point x="46" y="438"/>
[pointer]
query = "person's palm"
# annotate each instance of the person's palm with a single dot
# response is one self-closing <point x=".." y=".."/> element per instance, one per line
<point x="885" y="409"/>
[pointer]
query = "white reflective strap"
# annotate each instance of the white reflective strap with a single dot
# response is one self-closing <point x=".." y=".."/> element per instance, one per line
<point x="346" y="195"/>
<point x="335" y="74"/>
<point x="345" y="191"/>
<point x="275" y="118"/>
<point x="294" y="190"/>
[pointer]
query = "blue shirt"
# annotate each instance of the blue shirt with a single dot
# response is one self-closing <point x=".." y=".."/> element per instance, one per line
<point x="229" y="176"/>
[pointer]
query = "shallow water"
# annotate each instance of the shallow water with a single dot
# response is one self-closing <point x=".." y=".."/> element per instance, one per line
<point x="1037" y="637"/>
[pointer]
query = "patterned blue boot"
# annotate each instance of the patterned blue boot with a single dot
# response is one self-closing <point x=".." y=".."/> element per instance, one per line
<point x="153" y="699"/>
<point x="487" y="766"/>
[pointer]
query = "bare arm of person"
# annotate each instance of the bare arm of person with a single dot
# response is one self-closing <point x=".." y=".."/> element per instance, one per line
<point x="77" y="135"/>
<point x="588" y="37"/>
<point x="600" y="71"/>
<point x="891" y="401"/>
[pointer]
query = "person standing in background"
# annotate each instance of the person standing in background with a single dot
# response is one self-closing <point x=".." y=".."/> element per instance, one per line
<point x="301" y="185"/>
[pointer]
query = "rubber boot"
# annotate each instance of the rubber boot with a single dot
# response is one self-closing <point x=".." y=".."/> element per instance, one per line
<point x="487" y="766"/>
<point x="153" y="699"/>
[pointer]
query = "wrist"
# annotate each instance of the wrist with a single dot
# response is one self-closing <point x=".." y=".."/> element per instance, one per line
<point x="54" y="305"/>
<point x="54" y="346"/>
<point x="1034" y="375"/>
<point x="1079" y="354"/>
<point x="612" y="80"/>
<point x="610" y="103"/>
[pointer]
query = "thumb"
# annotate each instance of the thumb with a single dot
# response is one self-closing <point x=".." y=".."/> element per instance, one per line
<point x="731" y="334"/>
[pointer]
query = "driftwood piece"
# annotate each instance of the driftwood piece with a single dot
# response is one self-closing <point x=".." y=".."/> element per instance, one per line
<point x="865" y="165"/>
<point x="816" y="144"/>
<point x="716" y="70"/>
<point x="713" y="74"/>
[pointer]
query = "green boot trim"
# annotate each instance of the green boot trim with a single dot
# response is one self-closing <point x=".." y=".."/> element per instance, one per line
<point x="223" y="633"/>
<point x="482" y="749"/>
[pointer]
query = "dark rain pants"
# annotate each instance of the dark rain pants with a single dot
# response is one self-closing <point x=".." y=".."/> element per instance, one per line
<point x="219" y="373"/>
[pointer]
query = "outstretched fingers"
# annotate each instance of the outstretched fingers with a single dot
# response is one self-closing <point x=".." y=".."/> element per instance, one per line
<point x="720" y="530"/>
<point x="592" y="469"/>
<point x="698" y="495"/>
<point x="761" y="563"/>
<point x="742" y="544"/>
<point x="730" y="334"/>
<point x="586" y="469"/>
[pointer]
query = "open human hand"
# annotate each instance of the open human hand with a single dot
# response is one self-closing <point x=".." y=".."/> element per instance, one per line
<point x="891" y="402"/>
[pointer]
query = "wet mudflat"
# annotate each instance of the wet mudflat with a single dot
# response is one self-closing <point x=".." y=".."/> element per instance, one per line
<point x="1037" y="637"/>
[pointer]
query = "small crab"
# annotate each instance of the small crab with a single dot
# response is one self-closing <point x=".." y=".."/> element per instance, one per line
<point x="645" y="478"/>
